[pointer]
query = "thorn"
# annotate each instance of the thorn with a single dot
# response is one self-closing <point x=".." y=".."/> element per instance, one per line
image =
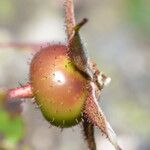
<point x="82" y="119"/>
<point x="37" y="91"/>
<point x="82" y="114"/>
<point x="40" y="105"/>
<point x="37" y="107"/>
<point x="107" y="81"/>
<point x="33" y="100"/>
<point x="76" y="120"/>
<point x="52" y="120"/>
<point x="20" y="84"/>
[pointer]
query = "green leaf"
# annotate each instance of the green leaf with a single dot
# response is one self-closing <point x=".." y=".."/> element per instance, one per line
<point x="11" y="127"/>
<point x="139" y="12"/>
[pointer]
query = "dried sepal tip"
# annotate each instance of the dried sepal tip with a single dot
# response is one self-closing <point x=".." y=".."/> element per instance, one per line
<point x="94" y="113"/>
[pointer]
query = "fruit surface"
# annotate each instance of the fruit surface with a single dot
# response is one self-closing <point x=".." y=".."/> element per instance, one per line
<point x="59" y="88"/>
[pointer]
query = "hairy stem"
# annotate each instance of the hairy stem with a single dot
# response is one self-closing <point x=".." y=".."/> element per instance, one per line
<point x="70" y="19"/>
<point x="24" y="91"/>
<point x="88" y="129"/>
<point x="78" y="56"/>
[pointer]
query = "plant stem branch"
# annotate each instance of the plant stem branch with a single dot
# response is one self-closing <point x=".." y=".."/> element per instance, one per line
<point x="24" y="91"/>
<point x="20" y="45"/>
<point x="70" y="18"/>
<point x="77" y="51"/>
<point x="89" y="134"/>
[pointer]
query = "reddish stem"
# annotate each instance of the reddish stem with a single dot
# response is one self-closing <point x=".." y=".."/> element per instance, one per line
<point x="24" y="91"/>
<point x="88" y="129"/>
<point x="20" y="45"/>
<point x="70" y="19"/>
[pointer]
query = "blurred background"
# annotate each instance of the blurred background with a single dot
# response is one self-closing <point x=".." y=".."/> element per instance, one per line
<point x="118" y="40"/>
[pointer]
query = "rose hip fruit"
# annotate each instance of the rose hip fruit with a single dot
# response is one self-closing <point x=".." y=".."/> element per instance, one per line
<point x="59" y="88"/>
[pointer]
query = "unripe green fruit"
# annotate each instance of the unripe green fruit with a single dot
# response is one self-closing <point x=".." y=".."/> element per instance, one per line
<point x="59" y="88"/>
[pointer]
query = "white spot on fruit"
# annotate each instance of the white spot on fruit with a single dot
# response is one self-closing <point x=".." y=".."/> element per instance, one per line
<point x="59" y="77"/>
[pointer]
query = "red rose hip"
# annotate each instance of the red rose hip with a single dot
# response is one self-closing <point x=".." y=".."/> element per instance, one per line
<point x="59" y="88"/>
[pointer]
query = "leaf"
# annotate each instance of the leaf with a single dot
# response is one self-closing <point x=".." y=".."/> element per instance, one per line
<point x="95" y="115"/>
<point x="11" y="127"/>
<point x="77" y="51"/>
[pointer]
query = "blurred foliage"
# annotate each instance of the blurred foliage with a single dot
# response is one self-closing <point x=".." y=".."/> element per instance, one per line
<point x="7" y="10"/>
<point x="11" y="126"/>
<point x="2" y="97"/>
<point x="139" y="12"/>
